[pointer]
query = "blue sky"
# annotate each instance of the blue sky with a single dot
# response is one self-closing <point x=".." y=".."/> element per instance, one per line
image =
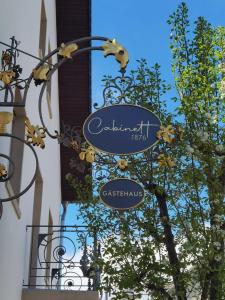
<point x="142" y="28"/>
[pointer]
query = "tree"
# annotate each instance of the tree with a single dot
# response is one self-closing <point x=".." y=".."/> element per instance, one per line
<point x="173" y="243"/>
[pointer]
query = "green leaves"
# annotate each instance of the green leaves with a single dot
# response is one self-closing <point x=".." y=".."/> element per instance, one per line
<point x="135" y="243"/>
<point x="82" y="188"/>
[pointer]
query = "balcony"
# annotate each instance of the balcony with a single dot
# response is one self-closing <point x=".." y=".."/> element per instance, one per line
<point x="62" y="263"/>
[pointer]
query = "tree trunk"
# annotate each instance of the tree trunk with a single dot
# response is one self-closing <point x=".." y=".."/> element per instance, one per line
<point x="216" y="287"/>
<point x="205" y="288"/>
<point x="169" y="242"/>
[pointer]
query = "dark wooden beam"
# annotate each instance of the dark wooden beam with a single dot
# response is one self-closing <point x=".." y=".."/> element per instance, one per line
<point x="73" y="18"/>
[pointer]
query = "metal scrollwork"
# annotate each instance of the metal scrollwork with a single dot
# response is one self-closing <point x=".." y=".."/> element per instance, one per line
<point x="60" y="251"/>
<point x="68" y="51"/>
<point x="117" y="91"/>
<point x="65" y="257"/>
<point x="70" y="136"/>
<point x="10" y="73"/>
<point x="74" y="281"/>
<point x="10" y="76"/>
<point x="11" y="167"/>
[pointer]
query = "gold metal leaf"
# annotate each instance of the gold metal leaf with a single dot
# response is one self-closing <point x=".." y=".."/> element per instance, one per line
<point x="66" y="51"/>
<point x="165" y="161"/>
<point x="3" y="171"/>
<point x="5" y="118"/>
<point x="6" y="58"/>
<point x="82" y="155"/>
<point x="41" y="73"/>
<point x="7" y="76"/>
<point x="166" y="133"/>
<point x="88" y="154"/>
<point x="112" y="47"/>
<point x="35" y="134"/>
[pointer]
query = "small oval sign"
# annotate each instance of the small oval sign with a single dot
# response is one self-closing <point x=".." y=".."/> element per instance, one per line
<point x="122" y="129"/>
<point x="122" y="193"/>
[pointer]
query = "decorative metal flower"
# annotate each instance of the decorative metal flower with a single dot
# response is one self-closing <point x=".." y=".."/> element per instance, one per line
<point x="66" y="50"/>
<point x="3" y="172"/>
<point x="114" y="48"/>
<point x="7" y="76"/>
<point x="88" y="155"/>
<point x="122" y="164"/>
<point x="35" y="134"/>
<point x="165" y="161"/>
<point x="74" y="145"/>
<point x="166" y="133"/>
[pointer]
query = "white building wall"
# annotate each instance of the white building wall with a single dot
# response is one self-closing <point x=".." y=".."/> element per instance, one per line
<point x="22" y="20"/>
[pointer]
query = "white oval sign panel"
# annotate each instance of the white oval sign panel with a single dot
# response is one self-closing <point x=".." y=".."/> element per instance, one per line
<point x="122" y="193"/>
<point x="122" y="129"/>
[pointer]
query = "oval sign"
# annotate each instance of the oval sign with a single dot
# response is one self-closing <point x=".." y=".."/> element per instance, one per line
<point x="122" y="193"/>
<point x="122" y="129"/>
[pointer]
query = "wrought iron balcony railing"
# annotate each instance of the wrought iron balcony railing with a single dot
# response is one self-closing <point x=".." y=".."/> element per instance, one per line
<point x="63" y="257"/>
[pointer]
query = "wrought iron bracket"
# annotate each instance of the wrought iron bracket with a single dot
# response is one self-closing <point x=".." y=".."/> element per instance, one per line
<point x="11" y="78"/>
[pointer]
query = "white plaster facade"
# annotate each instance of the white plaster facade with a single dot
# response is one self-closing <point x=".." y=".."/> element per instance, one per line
<point x="22" y="19"/>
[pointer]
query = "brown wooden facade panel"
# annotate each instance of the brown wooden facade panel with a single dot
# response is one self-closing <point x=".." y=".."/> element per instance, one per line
<point x="73" y="19"/>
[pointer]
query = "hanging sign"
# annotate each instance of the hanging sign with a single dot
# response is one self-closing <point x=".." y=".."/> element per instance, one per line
<point x="122" y="193"/>
<point x="122" y="129"/>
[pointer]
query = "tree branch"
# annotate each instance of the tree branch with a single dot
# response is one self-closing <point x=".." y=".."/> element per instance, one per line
<point x="161" y="290"/>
